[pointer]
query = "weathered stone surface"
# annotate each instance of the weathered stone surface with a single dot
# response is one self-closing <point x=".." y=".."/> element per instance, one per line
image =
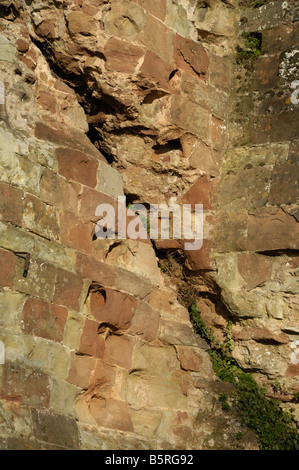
<point x="112" y="307"/>
<point x="68" y="289"/>
<point x="8" y="264"/>
<point x="255" y="269"/>
<point x="270" y="230"/>
<point x="91" y="343"/>
<point x="122" y="56"/>
<point x="145" y="322"/>
<point x="55" y="429"/>
<point x="96" y="343"/>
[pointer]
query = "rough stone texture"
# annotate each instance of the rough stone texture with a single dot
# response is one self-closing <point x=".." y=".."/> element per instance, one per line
<point x="142" y="98"/>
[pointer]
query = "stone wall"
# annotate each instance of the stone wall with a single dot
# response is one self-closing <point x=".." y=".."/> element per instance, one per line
<point x="257" y="241"/>
<point x="105" y="98"/>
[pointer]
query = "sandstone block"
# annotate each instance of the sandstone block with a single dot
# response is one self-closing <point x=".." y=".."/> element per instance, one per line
<point x="63" y="397"/>
<point x="59" y="192"/>
<point x="44" y="319"/>
<point x="125" y="20"/>
<point x="284" y="184"/>
<point x="255" y="269"/>
<point x="11" y="204"/>
<point x="80" y="370"/>
<point x="55" y="253"/>
<point x="11" y="304"/>
<point x="272" y="229"/>
<point x="157" y="70"/>
<point x="191" y="117"/>
<point x="81" y="23"/>
<point x="18" y="170"/>
<point x="90" y="199"/>
<point x="73" y="330"/>
<point x="111" y="414"/>
<point x="231" y="234"/>
<point x="204" y="191"/>
<point x="118" y="350"/>
<point x="145" y="322"/>
<point x="76" y="232"/>
<point x="178" y="333"/>
<point x="112" y="307"/>
<point x="55" y="429"/>
<point x="122" y="56"/>
<point x="25" y="386"/>
<point x="109" y="181"/>
<point x="8" y="51"/>
<point x="128" y="281"/>
<point x="161" y="42"/>
<point x="40" y="218"/>
<point x="156" y="8"/>
<point x="40" y="280"/>
<point x="142" y="392"/>
<point x="96" y="271"/>
<point x="68" y="289"/>
<point x="77" y="166"/>
<point x="50" y="357"/>
<point x="201" y="259"/>
<point x="8" y="263"/>
<point x="91" y="343"/>
<point x="190" y="56"/>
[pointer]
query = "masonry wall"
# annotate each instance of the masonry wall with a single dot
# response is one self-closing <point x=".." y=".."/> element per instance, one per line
<point x="108" y="98"/>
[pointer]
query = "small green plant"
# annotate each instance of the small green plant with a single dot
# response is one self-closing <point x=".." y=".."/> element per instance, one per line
<point x="251" y="47"/>
<point x="274" y="426"/>
<point x="223" y="398"/>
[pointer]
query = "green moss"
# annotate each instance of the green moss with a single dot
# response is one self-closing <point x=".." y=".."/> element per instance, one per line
<point x="274" y="426"/>
<point x="251" y="47"/>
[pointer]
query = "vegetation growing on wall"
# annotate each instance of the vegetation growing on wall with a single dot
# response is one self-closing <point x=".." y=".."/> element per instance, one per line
<point x="274" y="426"/>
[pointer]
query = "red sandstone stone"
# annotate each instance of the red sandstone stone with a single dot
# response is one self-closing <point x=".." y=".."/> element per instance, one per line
<point x="11" y="204"/>
<point x="22" y="45"/>
<point x="292" y="370"/>
<point x="7" y="271"/>
<point x="76" y="232"/>
<point x="156" y="8"/>
<point x="25" y="386"/>
<point x="190" y="56"/>
<point x="91" y="343"/>
<point x="68" y="289"/>
<point x="203" y="191"/>
<point x="145" y="322"/>
<point x="44" y="319"/>
<point x="96" y="271"/>
<point x="47" y="101"/>
<point x="111" y="414"/>
<point x="46" y="29"/>
<point x="119" y="350"/>
<point x="40" y="218"/>
<point x="201" y="259"/>
<point x="77" y="166"/>
<point x="255" y="269"/>
<point x="271" y="229"/>
<point x="122" y="56"/>
<point x="90" y="199"/>
<point x="57" y="191"/>
<point x="112" y="307"/>
<point x="81" y="370"/>
<point x="156" y="69"/>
